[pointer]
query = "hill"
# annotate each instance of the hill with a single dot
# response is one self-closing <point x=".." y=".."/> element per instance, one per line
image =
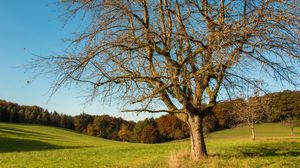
<point x="24" y="145"/>
<point x="274" y="107"/>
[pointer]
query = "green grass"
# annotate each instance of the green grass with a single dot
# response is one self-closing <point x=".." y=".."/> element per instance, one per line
<point x="267" y="130"/>
<point x="24" y="145"/>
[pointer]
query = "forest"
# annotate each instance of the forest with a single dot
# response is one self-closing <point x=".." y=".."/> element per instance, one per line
<point x="278" y="107"/>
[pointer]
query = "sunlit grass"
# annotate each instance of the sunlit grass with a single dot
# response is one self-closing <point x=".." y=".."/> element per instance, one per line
<point x="268" y="130"/>
<point x="24" y="145"/>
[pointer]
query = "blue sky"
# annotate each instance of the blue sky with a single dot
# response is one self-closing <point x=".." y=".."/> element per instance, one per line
<point x="37" y="25"/>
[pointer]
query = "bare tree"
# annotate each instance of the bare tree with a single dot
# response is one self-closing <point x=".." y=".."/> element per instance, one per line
<point x="177" y="56"/>
<point x="250" y="111"/>
<point x="292" y="123"/>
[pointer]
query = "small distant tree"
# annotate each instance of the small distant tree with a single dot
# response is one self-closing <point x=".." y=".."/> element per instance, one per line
<point x="250" y="111"/>
<point x="292" y="123"/>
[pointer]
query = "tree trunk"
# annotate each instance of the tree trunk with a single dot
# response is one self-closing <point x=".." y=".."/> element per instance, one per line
<point x="252" y="128"/>
<point x="253" y="133"/>
<point x="197" y="137"/>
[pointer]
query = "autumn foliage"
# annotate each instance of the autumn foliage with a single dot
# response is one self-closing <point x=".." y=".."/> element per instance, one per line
<point x="282" y="106"/>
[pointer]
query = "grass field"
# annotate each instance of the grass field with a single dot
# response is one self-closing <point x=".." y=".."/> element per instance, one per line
<point x="24" y="145"/>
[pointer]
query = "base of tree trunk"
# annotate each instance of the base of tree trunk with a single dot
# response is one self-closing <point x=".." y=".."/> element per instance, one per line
<point x="197" y="138"/>
<point x="253" y="133"/>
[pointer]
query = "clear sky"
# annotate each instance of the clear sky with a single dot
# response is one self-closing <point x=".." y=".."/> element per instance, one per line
<point x="37" y="25"/>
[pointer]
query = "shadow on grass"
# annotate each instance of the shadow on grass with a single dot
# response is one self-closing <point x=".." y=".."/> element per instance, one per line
<point x="8" y="131"/>
<point x="22" y="145"/>
<point x="22" y="131"/>
<point x="272" y="149"/>
<point x="20" y="140"/>
<point x="291" y="149"/>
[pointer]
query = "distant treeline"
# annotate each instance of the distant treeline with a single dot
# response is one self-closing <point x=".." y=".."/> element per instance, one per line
<point x="165" y="128"/>
<point x="280" y="106"/>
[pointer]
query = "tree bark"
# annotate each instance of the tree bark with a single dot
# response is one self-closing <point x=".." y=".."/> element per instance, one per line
<point x="198" y="146"/>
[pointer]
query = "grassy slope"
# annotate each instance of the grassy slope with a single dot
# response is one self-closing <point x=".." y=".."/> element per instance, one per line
<point x="40" y="146"/>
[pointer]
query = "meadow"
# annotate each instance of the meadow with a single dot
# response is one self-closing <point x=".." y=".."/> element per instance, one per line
<point x="25" y="145"/>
